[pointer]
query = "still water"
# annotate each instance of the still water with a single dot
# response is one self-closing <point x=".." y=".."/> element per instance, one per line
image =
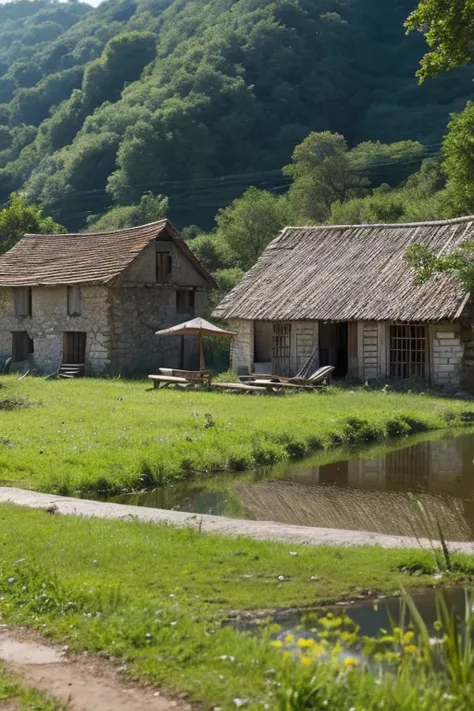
<point x="372" y="617"/>
<point x="370" y="489"/>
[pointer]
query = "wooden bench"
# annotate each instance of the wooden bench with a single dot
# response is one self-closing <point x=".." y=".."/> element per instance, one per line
<point x="164" y="380"/>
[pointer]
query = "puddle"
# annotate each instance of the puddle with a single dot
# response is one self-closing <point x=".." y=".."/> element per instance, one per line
<point x="369" y="489"/>
<point x="373" y="616"/>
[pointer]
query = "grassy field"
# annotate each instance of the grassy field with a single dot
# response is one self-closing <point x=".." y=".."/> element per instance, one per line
<point x="90" y="435"/>
<point x="158" y="599"/>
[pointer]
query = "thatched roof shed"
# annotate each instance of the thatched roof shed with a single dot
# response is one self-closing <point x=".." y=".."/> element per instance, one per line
<point x="349" y="273"/>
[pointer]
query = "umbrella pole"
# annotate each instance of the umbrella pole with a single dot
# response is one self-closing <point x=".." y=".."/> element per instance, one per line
<point x="201" y="353"/>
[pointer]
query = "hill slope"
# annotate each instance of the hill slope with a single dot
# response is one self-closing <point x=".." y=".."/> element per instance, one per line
<point x="101" y="105"/>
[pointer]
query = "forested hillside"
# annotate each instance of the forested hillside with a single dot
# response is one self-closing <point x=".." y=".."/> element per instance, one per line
<point x="198" y="99"/>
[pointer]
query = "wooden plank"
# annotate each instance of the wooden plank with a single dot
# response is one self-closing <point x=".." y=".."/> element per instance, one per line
<point x="238" y="386"/>
<point x="169" y="379"/>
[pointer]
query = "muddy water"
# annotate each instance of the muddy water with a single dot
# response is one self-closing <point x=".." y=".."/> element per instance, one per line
<point x="370" y="489"/>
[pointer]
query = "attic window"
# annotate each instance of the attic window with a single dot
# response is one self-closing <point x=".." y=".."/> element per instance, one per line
<point x="22" y="297"/>
<point x="164" y="265"/>
<point x="185" y="301"/>
<point x="408" y="351"/>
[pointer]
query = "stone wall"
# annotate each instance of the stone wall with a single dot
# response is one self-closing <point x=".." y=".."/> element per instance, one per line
<point x="137" y="313"/>
<point x="447" y="351"/>
<point x="143" y="269"/>
<point x="140" y="307"/>
<point x="50" y="320"/>
<point x="242" y="348"/>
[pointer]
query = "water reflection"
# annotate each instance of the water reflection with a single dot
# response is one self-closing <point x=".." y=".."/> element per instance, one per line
<point x="369" y="490"/>
<point x="373" y="617"/>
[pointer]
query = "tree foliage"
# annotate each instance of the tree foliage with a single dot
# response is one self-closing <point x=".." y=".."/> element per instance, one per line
<point x="448" y="27"/>
<point x="20" y="218"/>
<point x="248" y="224"/>
<point x="460" y="264"/>
<point x="151" y="208"/>
<point x="206" y="97"/>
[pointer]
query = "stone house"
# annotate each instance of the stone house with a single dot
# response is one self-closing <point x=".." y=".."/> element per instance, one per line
<point x="96" y="299"/>
<point x="346" y="293"/>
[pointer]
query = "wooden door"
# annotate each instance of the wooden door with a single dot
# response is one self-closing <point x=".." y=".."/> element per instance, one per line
<point x="281" y="345"/>
<point x="74" y="348"/>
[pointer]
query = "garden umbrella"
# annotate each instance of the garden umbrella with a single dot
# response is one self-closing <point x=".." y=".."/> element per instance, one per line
<point x="199" y="327"/>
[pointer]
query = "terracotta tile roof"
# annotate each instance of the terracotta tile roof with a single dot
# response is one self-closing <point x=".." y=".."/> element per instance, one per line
<point x="349" y="273"/>
<point x="89" y="257"/>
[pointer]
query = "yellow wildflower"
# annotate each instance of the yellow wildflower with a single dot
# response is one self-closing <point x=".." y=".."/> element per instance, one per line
<point x="408" y="637"/>
<point x="304" y="643"/>
<point x="350" y="662"/>
<point x="290" y="638"/>
<point x="306" y="661"/>
<point x="410" y="648"/>
<point x="276" y="643"/>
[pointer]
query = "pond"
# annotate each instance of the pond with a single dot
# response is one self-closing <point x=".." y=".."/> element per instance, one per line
<point x="373" y="616"/>
<point x="369" y="489"/>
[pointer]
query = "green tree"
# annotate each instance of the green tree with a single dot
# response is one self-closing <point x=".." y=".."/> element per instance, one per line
<point x="322" y="174"/>
<point x="448" y="27"/>
<point x="211" y="250"/>
<point x="458" y="151"/>
<point x="151" y="208"/>
<point x="21" y="218"/>
<point x="249" y="223"/>
<point x="225" y="279"/>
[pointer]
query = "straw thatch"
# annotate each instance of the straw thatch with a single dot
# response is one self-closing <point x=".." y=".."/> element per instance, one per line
<point x="349" y="273"/>
<point x="196" y="326"/>
<point x="84" y="258"/>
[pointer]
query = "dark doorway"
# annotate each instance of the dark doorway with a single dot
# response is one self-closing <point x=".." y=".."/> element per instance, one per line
<point x="333" y="347"/>
<point x="74" y="348"/>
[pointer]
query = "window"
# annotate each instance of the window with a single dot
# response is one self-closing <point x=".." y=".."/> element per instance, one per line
<point x="74" y="301"/>
<point x="22" y="298"/>
<point x="185" y="301"/>
<point x="22" y="346"/>
<point x="164" y="266"/>
<point x="407" y="351"/>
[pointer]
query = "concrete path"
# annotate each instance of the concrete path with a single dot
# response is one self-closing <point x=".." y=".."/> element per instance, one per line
<point x="259" y="530"/>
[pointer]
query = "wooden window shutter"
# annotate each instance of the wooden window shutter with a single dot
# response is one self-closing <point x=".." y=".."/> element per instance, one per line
<point x="74" y="300"/>
<point x="22" y="297"/>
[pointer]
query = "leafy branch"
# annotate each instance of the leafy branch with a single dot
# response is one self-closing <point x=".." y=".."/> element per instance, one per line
<point x="459" y="264"/>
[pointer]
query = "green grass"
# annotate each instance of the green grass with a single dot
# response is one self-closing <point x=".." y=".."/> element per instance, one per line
<point x="159" y="598"/>
<point x="90" y="435"/>
<point x="25" y="698"/>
